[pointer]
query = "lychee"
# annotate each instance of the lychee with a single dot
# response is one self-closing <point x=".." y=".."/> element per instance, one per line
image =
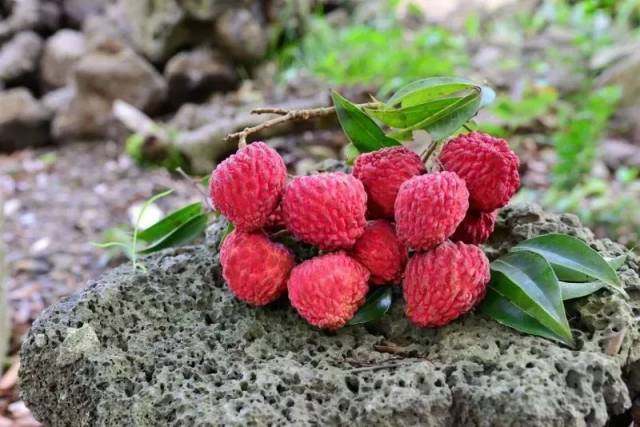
<point x="275" y="221"/>
<point x="325" y="210"/>
<point x="327" y="290"/>
<point x="476" y="227"/>
<point x="429" y="208"/>
<point x="255" y="268"/>
<point x="382" y="172"/>
<point x="442" y="284"/>
<point x="487" y="165"/>
<point x="380" y="251"/>
<point x="247" y="187"/>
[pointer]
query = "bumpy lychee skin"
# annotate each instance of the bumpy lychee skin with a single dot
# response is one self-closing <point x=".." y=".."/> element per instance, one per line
<point x="275" y="221"/>
<point x="429" y="208"/>
<point x="488" y="166"/>
<point x="326" y="210"/>
<point x="327" y="290"/>
<point x="476" y="227"/>
<point x="380" y="251"/>
<point x="248" y="185"/>
<point x="382" y="172"/>
<point x="255" y="268"/>
<point x="444" y="283"/>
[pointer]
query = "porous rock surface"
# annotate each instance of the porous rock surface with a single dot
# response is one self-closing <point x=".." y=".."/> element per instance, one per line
<point x="173" y="347"/>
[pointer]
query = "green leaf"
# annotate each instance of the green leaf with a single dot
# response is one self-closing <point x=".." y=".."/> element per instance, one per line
<point x="572" y="290"/>
<point x="185" y="233"/>
<point x="228" y="229"/>
<point x="409" y="116"/>
<point x="572" y="259"/>
<point x="527" y="280"/>
<point x="377" y="304"/>
<point x="172" y="221"/>
<point x="350" y="154"/>
<point x="359" y="128"/>
<point x="431" y="88"/>
<point x="504" y="312"/>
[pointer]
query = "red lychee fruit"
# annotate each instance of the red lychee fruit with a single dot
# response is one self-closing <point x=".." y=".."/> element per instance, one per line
<point x="327" y="290"/>
<point x="476" y="227"/>
<point x="429" y="208"/>
<point x="380" y="251"/>
<point x="382" y="172"/>
<point x="326" y="210"/>
<point x="442" y="284"/>
<point x="275" y="221"/>
<point x="487" y="165"/>
<point x="255" y="268"/>
<point x="247" y="187"/>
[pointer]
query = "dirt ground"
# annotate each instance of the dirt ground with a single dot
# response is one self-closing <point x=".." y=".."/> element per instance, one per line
<point x="58" y="201"/>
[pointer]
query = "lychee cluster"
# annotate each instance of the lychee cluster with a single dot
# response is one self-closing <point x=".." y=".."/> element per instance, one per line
<point x="389" y="222"/>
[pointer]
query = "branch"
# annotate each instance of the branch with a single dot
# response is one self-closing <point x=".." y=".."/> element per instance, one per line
<point x="284" y="116"/>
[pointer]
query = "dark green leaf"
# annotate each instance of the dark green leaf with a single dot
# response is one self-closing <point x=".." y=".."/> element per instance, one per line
<point x="359" y="128"/>
<point x="169" y="223"/>
<point x="377" y="304"/>
<point x="527" y="280"/>
<point x="578" y="290"/>
<point x="421" y="91"/>
<point x="572" y="259"/>
<point x="502" y="311"/>
<point x="186" y="233"/>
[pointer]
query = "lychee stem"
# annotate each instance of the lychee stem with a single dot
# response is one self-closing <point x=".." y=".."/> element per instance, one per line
<point x="284" y="116"/>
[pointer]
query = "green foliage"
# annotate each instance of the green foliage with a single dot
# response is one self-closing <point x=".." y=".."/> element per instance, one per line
<point x="440" y="106"/>
<point x="152" y="152"/>
<point x="180" y="227"/>
<point x="580" y="131"/>
<point x="525" y="292"/>
<point x="385" y="56"/>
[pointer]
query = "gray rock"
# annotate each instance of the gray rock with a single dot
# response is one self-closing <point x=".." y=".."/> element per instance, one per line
<point x="111" y="71"/>
<point x="30" y="15"/>
<point x="19" y="58"/>
<point x="61" y="52"/>
<point x="23" y="121"/>
<point x="157" y="27"/>
<point x="59" y="99"/>
<point x="243" y="34"/>
<point x="193" y="75"/>
<point x="174" y="347"/>
<point x="77" y="11"/>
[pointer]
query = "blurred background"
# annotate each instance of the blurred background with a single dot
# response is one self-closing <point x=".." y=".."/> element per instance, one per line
<point x="74" y="169"/>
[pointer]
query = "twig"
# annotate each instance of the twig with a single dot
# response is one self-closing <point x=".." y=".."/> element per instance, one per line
<point x="431" y="149"/>
<point x="284" y="116"/>
<point x="385" y="366"/>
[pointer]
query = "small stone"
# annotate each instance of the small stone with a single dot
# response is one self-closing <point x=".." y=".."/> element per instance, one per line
<point x="194" y="75"/>
<point x="109" y="72"/>
<point x="61" y="52"/>
<point x="19" y="58"/>
<point x="23" y="121"/>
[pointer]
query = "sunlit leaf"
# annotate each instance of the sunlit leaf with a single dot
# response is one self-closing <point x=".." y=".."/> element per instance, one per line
<point x="171" y="222"/>
<point x="421" y="91"/>
<point x="186" y="233"/>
